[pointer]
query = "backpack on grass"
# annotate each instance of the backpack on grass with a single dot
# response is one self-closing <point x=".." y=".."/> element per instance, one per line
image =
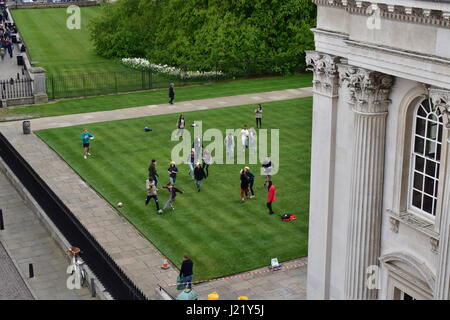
<point x="288" y="217"/>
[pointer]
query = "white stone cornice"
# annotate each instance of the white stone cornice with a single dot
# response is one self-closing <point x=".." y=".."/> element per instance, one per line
<point x="325" y="71"/>
<point x="369" y="90"/>
<point x="424" y="12"/>
<point x="441" y="99"/>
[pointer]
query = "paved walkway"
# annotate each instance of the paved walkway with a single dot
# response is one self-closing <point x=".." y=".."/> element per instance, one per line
<point x="29" y="242"/>
<point x="8" y="67"/>
<point x="13" y="286"/>
<point x="133" y="253"/>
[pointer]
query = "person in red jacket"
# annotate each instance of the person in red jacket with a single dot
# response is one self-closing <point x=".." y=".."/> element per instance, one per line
<point x="271" y="196"/>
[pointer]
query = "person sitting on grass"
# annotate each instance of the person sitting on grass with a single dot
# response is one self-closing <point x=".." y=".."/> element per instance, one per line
<point x="173" y="170"/>
<point x="173" y="194"/>
<point x="152" y="192"/>
<point x="85" y="137"/>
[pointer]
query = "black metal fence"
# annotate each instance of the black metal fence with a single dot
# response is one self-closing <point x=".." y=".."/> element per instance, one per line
<point x="99" y="261"/>
<point x="90" y="84"/>
<point x="16" y="88"/>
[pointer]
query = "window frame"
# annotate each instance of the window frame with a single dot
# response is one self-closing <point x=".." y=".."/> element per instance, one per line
<point x="439" y="179"/>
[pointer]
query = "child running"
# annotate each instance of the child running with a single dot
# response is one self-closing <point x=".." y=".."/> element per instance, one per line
<point x="152" y="193"/>
<point x="173" y="194"/>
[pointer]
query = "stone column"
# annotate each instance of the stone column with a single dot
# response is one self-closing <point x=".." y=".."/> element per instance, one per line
<point x="325" y="98"/>
<point x="369" y="92"/>
<point x="39" y="87"/>
<point x="441" y="98"/>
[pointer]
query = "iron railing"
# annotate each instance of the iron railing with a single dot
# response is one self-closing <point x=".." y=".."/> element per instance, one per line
<point x="16" y="88"/>
<point x="99" y="261"/>
<point x="98" y="83"/>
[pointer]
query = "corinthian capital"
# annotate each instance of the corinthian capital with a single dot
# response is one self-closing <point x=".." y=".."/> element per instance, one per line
<point x="369" y="90"/>
<point x="441" y="99"/>
<point x="324" y="68"/>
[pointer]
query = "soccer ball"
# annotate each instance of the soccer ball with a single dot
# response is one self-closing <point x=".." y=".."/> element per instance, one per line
<point x="120" y="204"/>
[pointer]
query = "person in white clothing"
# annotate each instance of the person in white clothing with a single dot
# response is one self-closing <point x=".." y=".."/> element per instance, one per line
<point x="244" y="137"/>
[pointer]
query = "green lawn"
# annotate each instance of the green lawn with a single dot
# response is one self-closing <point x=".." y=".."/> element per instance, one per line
<point x="58" y="49"/>
<point x="135" y="99"/>
<point x="222" y="235"/>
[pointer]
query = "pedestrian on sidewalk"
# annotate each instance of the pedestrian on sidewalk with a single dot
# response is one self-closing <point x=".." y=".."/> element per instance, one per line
<point x="152" y="174"/>
<point x="173" y="170"/>
<point x="199" y="174"/>
<point x="152" y="193"/>
<point x="173" y="194"/>
<point x="258" y="116"/>
<point x="9" y="47"/>
<point x="171" y="93"/>
<point x="86" y="136"/>
<point x="2" y="53"/>
<point x="271" y="196"/>
<point x="251" y="180"/>
<point x="244" y="186"/>
<point x="187" y="271"/>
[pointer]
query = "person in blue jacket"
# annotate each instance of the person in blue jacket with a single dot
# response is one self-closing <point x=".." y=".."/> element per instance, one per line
<point x="86" y="136"/>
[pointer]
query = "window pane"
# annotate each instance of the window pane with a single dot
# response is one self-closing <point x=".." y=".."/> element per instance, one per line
<point x="427" y="204"/>
<point x="437" y="170"/>
<point x="420" y="126"/>
<point x="429" y="186"/>
<point x="430" y="150"/>
<point x="419" y="163"/>
<point x="436" y="185"/>
<point x="432" y="131"/>
<point x="418" y="145"/>
<point x="430" y="169"/>
<point x="418" y="181"/>
<point x="433" y="117"/>
<point x="440" y="133"/>
<point x="438" y="153"/>
<point x="421" y="112"/>
<point x="417" y="199"/>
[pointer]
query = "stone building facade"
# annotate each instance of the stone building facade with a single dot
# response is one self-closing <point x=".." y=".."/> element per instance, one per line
<point x="380" y="166"/>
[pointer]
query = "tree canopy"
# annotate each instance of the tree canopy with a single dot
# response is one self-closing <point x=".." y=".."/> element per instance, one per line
<point x="208" y="34"/>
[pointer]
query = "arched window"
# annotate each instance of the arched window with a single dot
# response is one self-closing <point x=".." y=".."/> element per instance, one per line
<point x="426" y="158"/>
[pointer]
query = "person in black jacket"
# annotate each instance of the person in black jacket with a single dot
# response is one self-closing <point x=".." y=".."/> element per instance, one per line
<point x="186" y="271"/>
<point x="251" y="180"/>
<point x="152" y="174"/>
<point x="171" y="93"/>
<point x="199" y="174"/>
<point x="244" y="185"/>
